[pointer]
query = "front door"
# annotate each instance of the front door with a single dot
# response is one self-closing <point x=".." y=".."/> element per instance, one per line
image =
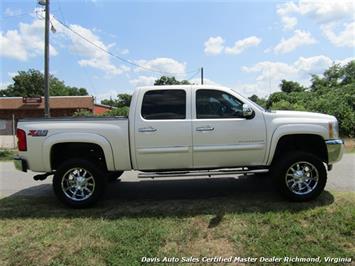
<point x="222" y="137"/>
<point x="163" y="130"/>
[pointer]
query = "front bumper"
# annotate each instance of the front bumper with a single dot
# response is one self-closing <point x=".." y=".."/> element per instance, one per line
<point x="335" y="148"/>
<point x="20" y="164"/>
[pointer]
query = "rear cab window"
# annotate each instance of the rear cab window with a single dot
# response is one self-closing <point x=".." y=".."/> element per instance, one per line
<point x="164" y="105"/>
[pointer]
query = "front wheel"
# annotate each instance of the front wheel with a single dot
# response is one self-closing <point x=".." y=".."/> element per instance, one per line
<point x="300" y="176"/>
<point x="78" y="183"/>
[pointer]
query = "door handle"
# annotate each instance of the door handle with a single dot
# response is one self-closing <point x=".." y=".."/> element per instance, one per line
<point x="146" y="129"/>
<point x="205" y="128"/>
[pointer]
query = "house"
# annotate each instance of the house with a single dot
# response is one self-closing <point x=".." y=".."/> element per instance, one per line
<point x="14" y="108"/>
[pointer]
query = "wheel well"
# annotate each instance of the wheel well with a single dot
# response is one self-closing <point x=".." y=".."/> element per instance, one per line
<point x="63" y="151"/>
<point x="313" y="144"/>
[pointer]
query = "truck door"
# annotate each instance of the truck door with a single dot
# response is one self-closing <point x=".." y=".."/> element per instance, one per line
<point x="163" y="129"/>
<point x="222" y="137"/>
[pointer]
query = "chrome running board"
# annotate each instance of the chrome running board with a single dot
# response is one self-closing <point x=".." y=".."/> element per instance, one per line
<point x="200" y="173"/>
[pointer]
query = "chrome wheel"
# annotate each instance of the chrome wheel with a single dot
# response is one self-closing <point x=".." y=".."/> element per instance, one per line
<point x="78" y="184"/>
<point x="302" y="178"/>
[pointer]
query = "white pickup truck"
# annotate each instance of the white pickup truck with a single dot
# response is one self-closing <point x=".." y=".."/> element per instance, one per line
<point x="187" y="130"/>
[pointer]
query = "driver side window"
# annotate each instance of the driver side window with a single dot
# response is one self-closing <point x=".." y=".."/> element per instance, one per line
<point x="216" y="104"/>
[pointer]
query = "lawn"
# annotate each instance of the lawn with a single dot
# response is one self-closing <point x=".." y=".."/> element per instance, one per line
<point x="40" y="231"/>
<point x="7" y="154"/>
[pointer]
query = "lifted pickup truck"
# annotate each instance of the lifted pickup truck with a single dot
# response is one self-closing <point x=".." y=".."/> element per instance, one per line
<point x="180" y="131"/>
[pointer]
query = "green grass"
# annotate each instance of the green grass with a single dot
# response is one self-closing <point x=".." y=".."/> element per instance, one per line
<point x="7" y="154"/>
<point x="40" y="231"/>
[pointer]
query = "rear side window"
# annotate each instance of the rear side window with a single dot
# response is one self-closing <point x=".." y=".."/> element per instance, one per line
<point x="164" y="104"/>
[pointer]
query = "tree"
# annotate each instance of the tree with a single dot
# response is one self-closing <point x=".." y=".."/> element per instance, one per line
<point x="331" y="93"/>
<point x="291" y="86"/>
<point x="31" y="83"/>
<point x="164" y="80"/>
<point x="259" y="101"/>
<point x="83" y="112"/>
<point x="123" y="99"/>
<point x="122" y="111"/>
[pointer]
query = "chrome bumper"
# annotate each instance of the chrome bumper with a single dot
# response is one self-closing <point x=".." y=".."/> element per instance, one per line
<point x="335" y="148"/>
<point x="20" y="164"/>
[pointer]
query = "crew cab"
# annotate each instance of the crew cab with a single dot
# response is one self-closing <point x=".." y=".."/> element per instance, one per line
<point x="182" y="130"/>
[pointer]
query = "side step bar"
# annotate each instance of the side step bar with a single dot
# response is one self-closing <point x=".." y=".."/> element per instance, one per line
<point x="200" y="173"/>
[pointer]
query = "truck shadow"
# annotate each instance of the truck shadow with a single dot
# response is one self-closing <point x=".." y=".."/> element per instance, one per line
<point x="163" y="198"/>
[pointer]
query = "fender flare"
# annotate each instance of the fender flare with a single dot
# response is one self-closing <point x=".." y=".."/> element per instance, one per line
<point x="81" y="138"/>
<point x="293" y="129"/>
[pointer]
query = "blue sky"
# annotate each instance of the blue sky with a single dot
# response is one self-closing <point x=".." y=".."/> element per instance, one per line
<point x="246" y="45"/>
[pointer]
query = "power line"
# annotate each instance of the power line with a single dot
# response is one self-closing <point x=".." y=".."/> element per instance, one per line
<point x="193" y="75"/>
<point x="121" y="58"/>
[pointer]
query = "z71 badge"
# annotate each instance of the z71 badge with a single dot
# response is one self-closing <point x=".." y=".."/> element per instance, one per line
<point x="38" y="133"/>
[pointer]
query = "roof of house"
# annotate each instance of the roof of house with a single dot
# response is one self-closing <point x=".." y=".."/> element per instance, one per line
<point x="55" y="102"/>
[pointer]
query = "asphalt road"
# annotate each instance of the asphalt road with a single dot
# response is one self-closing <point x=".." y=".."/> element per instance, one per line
<point x="13" y="182"/>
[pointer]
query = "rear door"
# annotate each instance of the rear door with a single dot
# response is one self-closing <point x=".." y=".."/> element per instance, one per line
<point x="163" y="129"/>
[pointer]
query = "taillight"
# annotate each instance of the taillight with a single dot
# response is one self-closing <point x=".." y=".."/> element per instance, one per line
<point x="21" y="140"/>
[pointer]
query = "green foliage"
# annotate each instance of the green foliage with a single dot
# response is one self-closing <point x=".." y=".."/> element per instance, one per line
<point x="257" y="100"/>
<point x="164" y="80"/>
<point x="332" y="93"/>
<point x="291" y="86"/>
<point x="83" y="112"/>
<point x="121" y="111"/>
<point x="123" y="99"/>
<point x="7" y="154"/>
<point x="31" y="83"/>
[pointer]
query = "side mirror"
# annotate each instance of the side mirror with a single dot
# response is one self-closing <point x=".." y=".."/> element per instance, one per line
<point x="248" y="113"/>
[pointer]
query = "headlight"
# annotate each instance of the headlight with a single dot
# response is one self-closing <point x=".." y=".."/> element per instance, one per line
<point x="333" y="129"/>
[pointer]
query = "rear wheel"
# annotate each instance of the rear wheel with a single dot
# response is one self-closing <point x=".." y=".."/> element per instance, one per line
<point x="300" y="176"/>
<point x="78" y="183"/>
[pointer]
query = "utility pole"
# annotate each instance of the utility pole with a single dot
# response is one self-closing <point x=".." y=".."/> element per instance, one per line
<point x="201" y="75"/>
<point x="46" y="57"/>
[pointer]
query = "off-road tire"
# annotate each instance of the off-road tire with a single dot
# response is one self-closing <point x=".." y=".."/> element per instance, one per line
<point x="282" y="167"/>
<point x="98" y="179"/>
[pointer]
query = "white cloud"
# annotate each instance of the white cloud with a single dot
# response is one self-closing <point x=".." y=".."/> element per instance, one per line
<point x="345" y="38"/>
<point x="3" y="85"/>
<point x="12" y="12"/>
<point x="205" y="82"/>
<point x="312" y="65"/>
<point x="94" y="57"/>
<point x="299" y="38"/>
<point x="241" y="45"/>
<point x="321" y="11"/>
<point x="330" y="15"/>
<point x="284" y="10"/>
<point x="26" y="42"/>
<point x="12" y="74"/>
<point x="109" y="94"/>
<point x="269" y="74"/>
<point x="143" y="81"/>
<point x="344" y="61"/>
<point x="168" y="66"/>
<point x="124" y="51"/>
<point x="289" y="22"/>
<point x="214" y="45"/>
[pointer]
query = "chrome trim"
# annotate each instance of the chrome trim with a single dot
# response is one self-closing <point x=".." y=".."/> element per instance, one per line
<point x="146" y="129"/>
<point x="335" y="148"/>
<point x="200" y="173"/>
<point x="78" y="184"/>
<point x="302" y="178"/>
